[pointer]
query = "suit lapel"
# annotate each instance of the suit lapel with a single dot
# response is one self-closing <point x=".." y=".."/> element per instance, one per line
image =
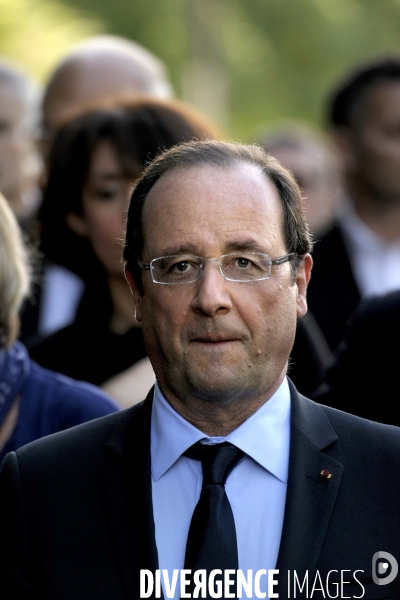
<point x="125" y="485"/>
<point x="310" y="496"/>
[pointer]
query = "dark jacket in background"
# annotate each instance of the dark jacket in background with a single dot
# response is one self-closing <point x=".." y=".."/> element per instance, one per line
<point x="363" y="377"/>
<point x="87" y="349"/>
<point x="310" y="356"/>
<point x="332" y="293"/>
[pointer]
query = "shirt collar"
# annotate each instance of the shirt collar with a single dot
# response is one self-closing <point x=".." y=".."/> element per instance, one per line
<point x="264" y="436"/>
<point x="357" y="233"/>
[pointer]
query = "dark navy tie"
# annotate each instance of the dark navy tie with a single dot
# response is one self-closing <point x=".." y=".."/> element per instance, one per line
<point x="211" y="542"/>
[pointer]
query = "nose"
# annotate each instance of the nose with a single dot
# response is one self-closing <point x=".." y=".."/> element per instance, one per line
<point x="212" y="292"/>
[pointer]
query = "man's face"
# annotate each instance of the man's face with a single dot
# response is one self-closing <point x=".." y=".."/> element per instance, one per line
<point x="376" y="146"/>
<point x="318" y="183"/>
<point x="213" y="339"/>
<point x="16" y="145"/>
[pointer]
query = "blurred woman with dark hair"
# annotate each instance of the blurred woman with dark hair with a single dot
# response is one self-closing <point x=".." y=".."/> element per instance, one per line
<point x="34" y="402"/>
<point x="94" y="164"/>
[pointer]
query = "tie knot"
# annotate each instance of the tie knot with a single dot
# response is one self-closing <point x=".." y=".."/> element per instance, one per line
<point x="217" y="460"/>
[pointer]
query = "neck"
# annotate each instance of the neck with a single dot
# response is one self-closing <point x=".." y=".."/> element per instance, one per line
<point x="381" y="215"/>
<point x="217" y="418"/>
<point x="123" y="314"/>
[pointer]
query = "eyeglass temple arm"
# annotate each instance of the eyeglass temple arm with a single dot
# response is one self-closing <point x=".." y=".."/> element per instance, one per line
<point x="282" y="259"/>
<point x="143" y="265"/>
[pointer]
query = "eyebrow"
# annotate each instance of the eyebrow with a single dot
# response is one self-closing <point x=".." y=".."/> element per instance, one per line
<point x="182" y="249"/>
<point x="248" y="244"/>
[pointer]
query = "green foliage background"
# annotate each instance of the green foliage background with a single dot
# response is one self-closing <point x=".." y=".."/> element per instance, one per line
<point x="278" y="59"/>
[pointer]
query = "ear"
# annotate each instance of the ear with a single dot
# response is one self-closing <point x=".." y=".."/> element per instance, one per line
<point x="302" y="279"/>
<point x="77" y="223"/>
<point x="137" y="296"/>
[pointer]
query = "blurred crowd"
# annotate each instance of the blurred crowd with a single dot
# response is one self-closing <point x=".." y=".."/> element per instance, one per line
<point x="70" y="154"/>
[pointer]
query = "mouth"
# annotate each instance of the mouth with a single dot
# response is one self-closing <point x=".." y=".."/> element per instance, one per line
<point x="214" y="340"/>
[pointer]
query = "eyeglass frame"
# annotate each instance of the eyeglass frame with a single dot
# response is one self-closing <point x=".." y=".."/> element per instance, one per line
<point x="272" y="261"/>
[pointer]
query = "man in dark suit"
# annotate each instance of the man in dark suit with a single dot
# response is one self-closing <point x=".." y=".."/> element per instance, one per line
<point x="360" y="255"/>
<point x="362" y="379"/>
<point x="217" y="256"/>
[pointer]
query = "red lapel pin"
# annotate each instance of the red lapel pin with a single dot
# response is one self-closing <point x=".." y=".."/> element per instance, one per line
<point x="325" y="473"/>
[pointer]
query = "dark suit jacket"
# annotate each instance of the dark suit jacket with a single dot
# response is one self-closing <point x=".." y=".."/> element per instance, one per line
<point x="363" y="379"/>
<point x="332" y="294"/>
<point x="76" y="512"/>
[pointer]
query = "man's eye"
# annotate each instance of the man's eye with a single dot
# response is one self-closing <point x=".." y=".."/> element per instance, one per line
<point x="182" y="266"/>
<point x="243" y="263"/>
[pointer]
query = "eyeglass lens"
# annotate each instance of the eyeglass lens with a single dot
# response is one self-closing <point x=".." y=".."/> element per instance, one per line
<point x="250" y="266"/>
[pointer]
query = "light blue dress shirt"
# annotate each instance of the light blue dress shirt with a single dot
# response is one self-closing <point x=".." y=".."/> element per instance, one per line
<point x="256" y="488"/>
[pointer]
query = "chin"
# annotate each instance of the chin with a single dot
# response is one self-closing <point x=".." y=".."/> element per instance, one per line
<point x="219" y="388"/>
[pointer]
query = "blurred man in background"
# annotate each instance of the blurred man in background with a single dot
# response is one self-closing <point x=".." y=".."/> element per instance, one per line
<point x="20" y="162"/>
<point x="99" y="70"/>
<point x="360" y="255"/>
<point x="314" y="162"/>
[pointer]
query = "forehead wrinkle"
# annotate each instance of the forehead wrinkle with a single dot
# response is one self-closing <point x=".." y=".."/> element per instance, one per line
<point x="179" y="249"/>
<point x="240" y="222"/>
<point x="229" y="239"/>
<point x="248" y="244"/>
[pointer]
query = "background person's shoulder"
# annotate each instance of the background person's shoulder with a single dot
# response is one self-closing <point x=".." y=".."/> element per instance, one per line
<point x="62" y="390"/>
<point x="362" y="433"/>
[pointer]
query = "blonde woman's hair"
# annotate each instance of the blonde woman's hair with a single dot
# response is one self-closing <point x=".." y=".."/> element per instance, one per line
<point x="15" y="271"/>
